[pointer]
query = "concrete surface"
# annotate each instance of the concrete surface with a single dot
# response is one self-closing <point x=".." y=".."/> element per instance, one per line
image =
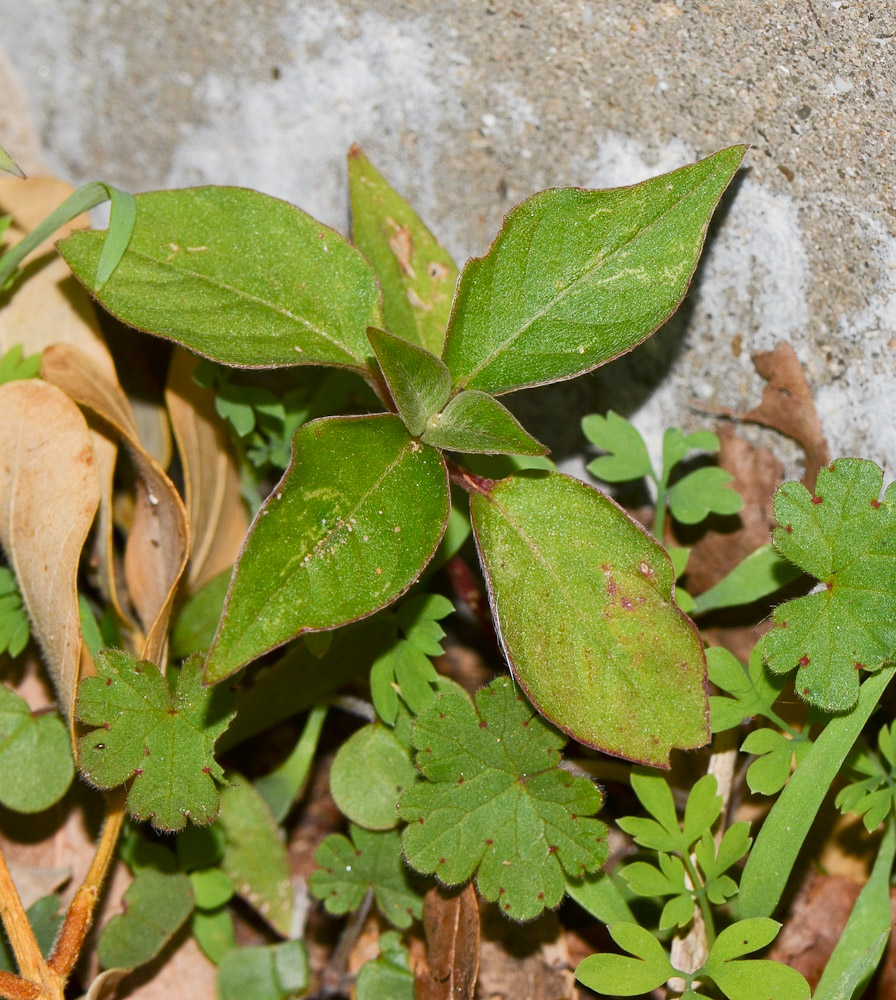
<point x="470" y="106"/>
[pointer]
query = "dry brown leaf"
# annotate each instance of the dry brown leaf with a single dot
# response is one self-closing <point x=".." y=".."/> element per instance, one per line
<point x="218" y="520"/>
<point x="524" y="962"/>
<point x="180" y="971"/>
<point x="105" y="986"/>
<point x="49" y="493"/>
<point x="159" y="541"/>
<point x="451" y="923"/>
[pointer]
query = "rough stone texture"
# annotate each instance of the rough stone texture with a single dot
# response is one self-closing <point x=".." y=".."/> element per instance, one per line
<point x="469" y="107"/>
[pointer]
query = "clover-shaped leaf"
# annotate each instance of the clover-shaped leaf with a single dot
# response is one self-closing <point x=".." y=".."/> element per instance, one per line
<point x="846" y="537"/>
<point x="370" y="860"/>
<point x="159" y="732"/>
<point x="495" y="802"/>
<point x="747" y="980"/>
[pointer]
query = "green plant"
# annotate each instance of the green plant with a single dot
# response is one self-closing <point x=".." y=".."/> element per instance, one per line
<point x="204" y="632"/>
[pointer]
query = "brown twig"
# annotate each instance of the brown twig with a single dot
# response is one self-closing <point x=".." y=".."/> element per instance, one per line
<point x="31" y="963"/>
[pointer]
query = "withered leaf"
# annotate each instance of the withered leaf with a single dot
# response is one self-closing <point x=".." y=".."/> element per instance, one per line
<point x="451" y="923"/>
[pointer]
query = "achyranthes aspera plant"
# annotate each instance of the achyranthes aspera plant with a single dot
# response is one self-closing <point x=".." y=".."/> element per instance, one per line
<point x="581" y="595"/>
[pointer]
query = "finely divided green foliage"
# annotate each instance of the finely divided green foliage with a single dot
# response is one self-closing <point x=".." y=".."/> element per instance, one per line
<point x="159" y="732"/>
<point x="337" y="539"/>
<point x="15" y="630"/>
<point x="583" y="600"/>
<point x="36" y="766"/>
<point x="239" y="277"/>
<point x="576" y="277"/>
<point x="495" y="803"/>
<point x="370" y="860"/>
<point x="845" y="536"/>
<point x="873" y="794"/>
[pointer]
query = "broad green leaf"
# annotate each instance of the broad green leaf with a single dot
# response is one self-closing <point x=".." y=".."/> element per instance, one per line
<point x="576" y="278"/>
<point x="761" y="573"/>
<point x="239" y="277"/>
<point x="753" y="689"/>
<point x="371" y="860"/>
<point x="211" y="888"/>
<point x="156" y="905"/>
<point x="495" y="802"/>
<point x="784" y="830"/>
<point x="417" y="276"/>
<point x="869" y="921"/>
<point x="254" y="856"/>
<point x="214" y="932"/>
<point x="15" y="630"/>
<point x="159" y="732"/>
<point x="369" y="773"/>
<point x="282" y="787"/>
<point x="583" y="601"/>
<point x="418" y="381"/>
<point x="388" y="975"/>
<point x="358" y="514"/>
<point x="269" y="972"/>
<point x="476" y="422"/>
<point x="846" y="537"/>
<point x="701" y="493"/>
<point x="14" y="365"/>
<point x="36" y="766"/>
<point x="627" y="458"/>
<point x="747" y="980"/>
<point x="620" y="975"/>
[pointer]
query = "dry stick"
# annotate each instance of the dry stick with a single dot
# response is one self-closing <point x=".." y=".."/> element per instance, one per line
<point x="80" y="912"/>
<point x="13" y="987"/>
<point x="25" y="948"/>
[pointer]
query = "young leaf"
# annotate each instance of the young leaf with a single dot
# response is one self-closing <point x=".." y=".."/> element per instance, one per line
<point x="701" y="493"/>
<point x="388" y="975"/>
<point x="663" y="832"/>
<point x="667" y="880"/>
<point x="14" y="628"/>
<point x="747" y="980"/>
<point x="873" y="796"/>
<point x="369" y="773"/>
<point x="761" y="573"/>
<point x="416" y="274"/>
<point x="419" y="382"/>
<point x="156" y="906"/>
<point x="627" y="458"/>
<point x="269" y="972"/>
<point x="495" y="802"/>
<point x="846" y="538"/>
<point x="159" y="732"/>
<point x="254" y="855"/>
<point x="676" y="445"/>
<point x="214" y="933"/>
<point x="576" y="278"/>
<point x="715" y="860"/>
<point x="14" y="365"/>
<point x="583" y="600"/>
<point x="336" y="540"/>
<point x="769" y="773"/>
<point x="239" y="277"/>
<point x="347" y="869"/>
<point x="619" y="975"/>
<point x="753" y="690"/>
<point x="477" y="423"/>
<point x="419" y="617"/>
<point x="36" y="764"/>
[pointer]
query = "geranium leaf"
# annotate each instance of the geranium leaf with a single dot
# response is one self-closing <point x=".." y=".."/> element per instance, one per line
<point x="476" y="423"/>
<point x="239" y="277"/>
<point x="347" y="869"/>
<point x="416" y="274"/>
<point x="577" y="277"/>
<point x="495" y="802"/>
<point x="335" y="541"/>
<point x="160" y="732"/>
<point x="583" y="600"/>
<point x="845" y="537"/>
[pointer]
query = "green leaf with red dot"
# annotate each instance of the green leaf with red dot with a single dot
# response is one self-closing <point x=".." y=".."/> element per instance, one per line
<point x="495" y="803"/>
<point x="845" y="536"/>
<point x="157" y="732"/>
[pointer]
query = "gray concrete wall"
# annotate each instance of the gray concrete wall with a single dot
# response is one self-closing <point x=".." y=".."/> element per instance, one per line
<point x="468" y="107"/>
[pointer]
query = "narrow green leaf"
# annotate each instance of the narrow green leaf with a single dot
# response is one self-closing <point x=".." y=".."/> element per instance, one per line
<point x="8" y="164"/>
<point x="239" y="277"/>
<point x="337" y="539"/>
<point x="627" y="458"/>
<point x="419" y="382"/>
<point x="157" y="904"/>
<point x="270" y="972"/>
<point x="122" y="218"/>
<point x="255" y="857"/>
<point x="477" y="423"/>
<point x="619" y="975"/>
<point x="369" y="773"/>
<point x="870" y="920"/>
<point x="784" y="830"/>
<point x="416" y="274"/>
<point x="283" y="787"/>
<point x="576" y="278"/>
<point x="583" y="601"/>
<point x="846" y="537"/>
<point x="763" y="572"/>
<point x="859" y="970"/>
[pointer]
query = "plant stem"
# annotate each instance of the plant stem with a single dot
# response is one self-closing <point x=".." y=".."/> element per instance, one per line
<point x="25" y="948"/>
<point x="80" y="912"/>
<point x="702" y="901"/>
<point x="13" y="987"/>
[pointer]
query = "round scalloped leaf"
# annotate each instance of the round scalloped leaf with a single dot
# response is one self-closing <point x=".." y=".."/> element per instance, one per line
<point x="583" y="600"/>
